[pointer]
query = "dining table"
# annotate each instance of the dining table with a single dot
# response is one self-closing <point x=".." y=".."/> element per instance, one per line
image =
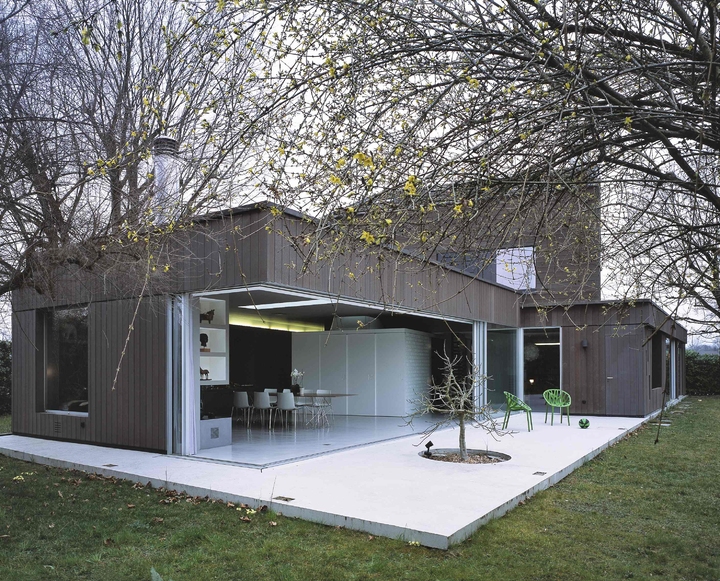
<point x="319" y="403"/>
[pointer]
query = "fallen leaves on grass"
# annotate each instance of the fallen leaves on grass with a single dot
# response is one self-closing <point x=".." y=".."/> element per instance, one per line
<point x="110" y="479"/>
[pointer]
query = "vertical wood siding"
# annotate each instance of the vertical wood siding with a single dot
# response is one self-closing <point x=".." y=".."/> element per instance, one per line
<point x="391" y="281"/>
<point x="24" y="359"/>
<point x="624" y="372"/>
<point x="583" y="369"/>
<point x="133" y="413"/>
<point x="247" y="248"/>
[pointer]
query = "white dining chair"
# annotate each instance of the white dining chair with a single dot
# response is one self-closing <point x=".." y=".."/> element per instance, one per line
<point x="241" y="404"/>
<point x="261" y="401"/>
<point x="321" y="407"/>
<point x="304" y="403"/>
<point x="286" y="405"/>
<point x="273" y="394"/>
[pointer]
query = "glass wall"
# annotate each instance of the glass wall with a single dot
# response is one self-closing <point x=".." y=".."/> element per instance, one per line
<point x="541" y="357"/>
<point x="501" y="364"/>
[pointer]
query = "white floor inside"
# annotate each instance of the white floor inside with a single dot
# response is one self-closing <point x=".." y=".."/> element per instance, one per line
<point x="261" y="447"/>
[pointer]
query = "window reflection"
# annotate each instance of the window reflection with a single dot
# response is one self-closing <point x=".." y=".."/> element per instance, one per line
<point x="541" y="355"/>
<point x="66" y="360"/>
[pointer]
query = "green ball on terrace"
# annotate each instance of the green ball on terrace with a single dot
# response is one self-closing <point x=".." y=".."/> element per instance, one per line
<point x="584" y="423"/>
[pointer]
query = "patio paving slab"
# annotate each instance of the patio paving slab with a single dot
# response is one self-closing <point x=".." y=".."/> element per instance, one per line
<point x="384" y="489"/>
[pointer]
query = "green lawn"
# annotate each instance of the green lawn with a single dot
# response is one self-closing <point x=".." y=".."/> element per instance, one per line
<point x="638" y="511"/>
<point x="4" y="424"/>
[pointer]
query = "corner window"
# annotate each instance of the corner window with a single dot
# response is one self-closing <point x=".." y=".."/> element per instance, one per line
<point x="66" y="360"/>
<point x="515" y="267"/>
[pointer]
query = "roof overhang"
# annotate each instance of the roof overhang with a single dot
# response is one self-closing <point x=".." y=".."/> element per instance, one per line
<point x="300" y="304"/>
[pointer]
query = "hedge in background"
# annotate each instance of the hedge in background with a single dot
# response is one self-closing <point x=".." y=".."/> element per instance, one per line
<point x="703" y="374"/>
<point x="5" y="376"/>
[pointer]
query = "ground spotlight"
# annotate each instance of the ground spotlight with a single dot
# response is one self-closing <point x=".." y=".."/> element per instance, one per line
<point x="427" y="451"/>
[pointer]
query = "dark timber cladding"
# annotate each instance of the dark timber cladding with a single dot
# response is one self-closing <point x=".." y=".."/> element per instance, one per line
<point x="132" y="412"/>
<point x="238" y="248"/>
<point x="611" y="375"/>
<point x="395" y="280"/>
<point x="251" y="245"/>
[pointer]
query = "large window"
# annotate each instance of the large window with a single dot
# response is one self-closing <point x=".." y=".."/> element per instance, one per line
<point x="66" y="360"/>
<point x="501" y="364"/>
<point x="515" y="267"/>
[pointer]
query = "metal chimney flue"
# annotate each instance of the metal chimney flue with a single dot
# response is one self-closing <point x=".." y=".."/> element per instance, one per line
<point x="166" y="197"/>
<point x="164" y="145"/>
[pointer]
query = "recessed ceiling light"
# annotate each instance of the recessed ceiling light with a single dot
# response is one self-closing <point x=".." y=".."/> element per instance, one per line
<point x="288" y="305"/>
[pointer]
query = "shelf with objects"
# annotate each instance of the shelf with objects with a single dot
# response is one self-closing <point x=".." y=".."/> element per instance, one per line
<point x="212" y="341"/>
<point x="212" y="347"/>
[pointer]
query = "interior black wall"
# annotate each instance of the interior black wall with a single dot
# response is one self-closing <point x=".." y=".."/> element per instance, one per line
<point x="261" y="358"/>
<point x="542" y="362"/>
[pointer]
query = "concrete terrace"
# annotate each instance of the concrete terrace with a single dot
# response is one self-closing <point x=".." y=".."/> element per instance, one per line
<point x="384" y="489"/>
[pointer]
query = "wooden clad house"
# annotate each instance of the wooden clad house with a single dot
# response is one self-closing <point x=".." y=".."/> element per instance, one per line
<point x="106" y="362"/>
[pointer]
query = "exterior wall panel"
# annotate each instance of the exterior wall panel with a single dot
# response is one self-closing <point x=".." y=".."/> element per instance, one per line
<point x="238" y="250"/>
<point x="23" y="372"/>
<point x="618" y="344"/>
<point x="624" y="369"/>
<point x="582" y="374"/>
<point x="133" y="413"/>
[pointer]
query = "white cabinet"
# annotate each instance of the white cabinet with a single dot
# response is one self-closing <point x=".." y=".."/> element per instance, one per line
<point x="386" y="370"/>
<point x="212" y="341"/>
<point x="361" y="375"/>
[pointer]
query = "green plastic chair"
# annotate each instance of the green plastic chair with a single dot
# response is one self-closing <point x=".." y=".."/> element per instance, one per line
<point x="515" y="404"/>
<point x="557" y="398"/>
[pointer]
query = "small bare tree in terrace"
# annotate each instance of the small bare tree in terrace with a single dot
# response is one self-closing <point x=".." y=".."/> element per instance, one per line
<point x="453" y="400"/>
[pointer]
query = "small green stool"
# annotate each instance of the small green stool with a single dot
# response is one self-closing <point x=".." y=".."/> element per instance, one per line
<point x="557" y="398"/>
<point x="515" y="404"/>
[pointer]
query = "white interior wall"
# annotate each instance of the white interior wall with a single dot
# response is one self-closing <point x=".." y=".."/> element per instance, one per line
<point x="386" y="369"/>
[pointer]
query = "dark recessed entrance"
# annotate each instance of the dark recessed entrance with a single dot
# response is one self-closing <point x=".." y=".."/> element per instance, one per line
<point x="541" y="357"/>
